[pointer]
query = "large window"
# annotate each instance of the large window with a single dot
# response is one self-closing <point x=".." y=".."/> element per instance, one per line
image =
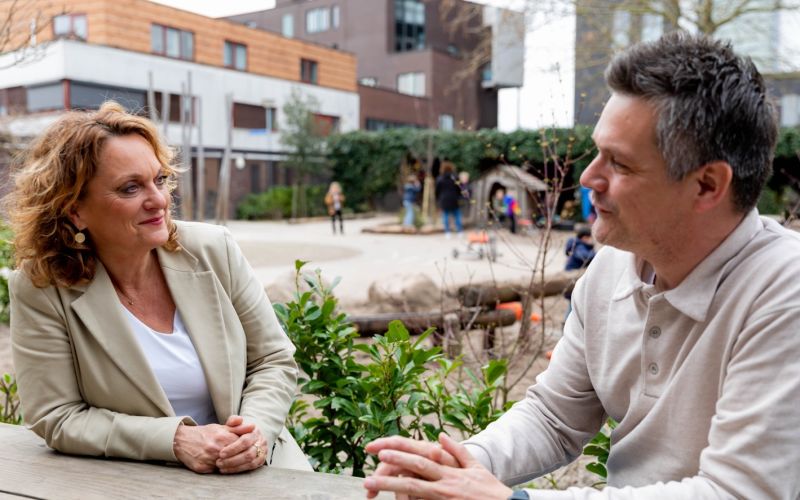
<point x="70" y="26"/>
<point x="235" y="55"/>
<point x="318" y="20"/>
<point x="308" y="71"/>
<point x="255" y="117"/>
<point x="92" y="96"/>
<point x="335" y="16"/>
<point x="411" y="83"/>
<point x="409" y="25"/>
<point x="172" y="42"/>
<point x="326" y="124"/>
<point x="287" y="25"/>
<point x="790" y="110"/>
<point x="46" y="97"/>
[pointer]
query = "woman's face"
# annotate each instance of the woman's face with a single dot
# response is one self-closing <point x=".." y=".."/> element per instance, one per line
<point x="126" y="203"/>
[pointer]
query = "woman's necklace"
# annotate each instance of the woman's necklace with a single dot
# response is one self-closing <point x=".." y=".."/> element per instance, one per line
<point x="123" y="295"/>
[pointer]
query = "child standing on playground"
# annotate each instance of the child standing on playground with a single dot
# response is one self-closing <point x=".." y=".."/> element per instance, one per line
<point x="334" y="199"/>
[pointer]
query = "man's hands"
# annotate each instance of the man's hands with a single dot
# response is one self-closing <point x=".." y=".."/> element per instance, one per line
<point x="419" y="469"/>
<point x="237" y="446"/>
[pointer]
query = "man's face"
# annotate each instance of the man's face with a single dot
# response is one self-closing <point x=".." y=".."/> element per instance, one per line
<point x="639" y="209"/>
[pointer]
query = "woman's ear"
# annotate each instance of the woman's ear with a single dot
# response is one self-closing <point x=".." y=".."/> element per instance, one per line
<point x="75" y="217"/>
<point x="713" y="185"/>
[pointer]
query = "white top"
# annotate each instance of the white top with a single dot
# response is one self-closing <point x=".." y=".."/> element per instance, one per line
<point x="703" y="379"/>
<point x="174" y="362"/>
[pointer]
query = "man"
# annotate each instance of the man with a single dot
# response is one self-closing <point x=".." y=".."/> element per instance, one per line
<point x="686" y="327"/>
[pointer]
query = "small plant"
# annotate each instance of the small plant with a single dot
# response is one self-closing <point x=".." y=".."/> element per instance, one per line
<point x="10" y="409"/>
<point x="599" y="447"/>
<point x="395" y="386"/>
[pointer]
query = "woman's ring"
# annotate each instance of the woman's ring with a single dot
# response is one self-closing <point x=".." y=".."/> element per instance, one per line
<point x="259" y="451"/>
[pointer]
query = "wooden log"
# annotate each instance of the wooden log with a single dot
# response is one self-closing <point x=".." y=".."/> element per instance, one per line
<point x="483" y="295"/>
<point x="417" y="323"/>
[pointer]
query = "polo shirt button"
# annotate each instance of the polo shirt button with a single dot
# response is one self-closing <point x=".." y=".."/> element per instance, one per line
<point x="653" y="368"/>
<point x="655" y="332"/>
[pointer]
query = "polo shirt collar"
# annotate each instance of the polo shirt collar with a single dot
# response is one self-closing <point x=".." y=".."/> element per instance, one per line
<point x="693" y="296"/>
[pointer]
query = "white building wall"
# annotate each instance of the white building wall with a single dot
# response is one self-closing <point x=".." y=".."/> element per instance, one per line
<point x="66" y="59"/>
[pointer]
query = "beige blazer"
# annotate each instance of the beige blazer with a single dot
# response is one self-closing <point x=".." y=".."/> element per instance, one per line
<point x="86" y="387"/>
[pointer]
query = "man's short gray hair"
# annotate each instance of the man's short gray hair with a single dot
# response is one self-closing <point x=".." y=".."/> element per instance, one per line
<point x="712" y="106"/>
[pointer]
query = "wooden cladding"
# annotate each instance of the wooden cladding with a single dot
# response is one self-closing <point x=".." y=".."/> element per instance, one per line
<point x="128" y="24"/>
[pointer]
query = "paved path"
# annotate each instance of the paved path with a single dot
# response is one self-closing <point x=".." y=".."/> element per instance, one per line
<point x="362" y="259"/>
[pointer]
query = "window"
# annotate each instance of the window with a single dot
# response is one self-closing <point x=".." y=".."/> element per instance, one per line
<point x="621" y="29"/>
<point x="652" y="27"/>
<point x="235" y="55"/>
<point x="445" y="122"/>
<point x="486" y="72"/>
<point x="253" y="117"/>
<point x="375" y="124"/>
<point x="790" y="110"/>
<point x="409" y="25"/>
<point x="326" y="124"/>
<point x="46" y="97"/>
<point x="287" y="25"/>
<point x="368" y="81"/>
<point x="308" y="71"/>
<point x="411" y="83"/>
<point x="172" y="42"/>
<point x="272" y="119"/>
<point x="91" y="96"/>
<point x="174" y="107"/>
<point x="249" y="116"/>
<point x="70" y="26"/>
<point x="317" y="20"/>
<point x="335" y="16"/>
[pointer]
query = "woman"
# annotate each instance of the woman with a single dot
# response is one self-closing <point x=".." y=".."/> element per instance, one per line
<point x="134" y="335"/>
<point x="448" y="194"/>
<point x="334" y="199"/>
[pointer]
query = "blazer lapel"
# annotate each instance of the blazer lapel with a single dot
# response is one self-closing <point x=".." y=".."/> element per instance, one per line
<point x="102" y="314"/>
<point x="196" y="296"/>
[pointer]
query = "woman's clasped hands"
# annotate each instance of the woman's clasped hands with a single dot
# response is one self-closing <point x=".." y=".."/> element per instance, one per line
<point x="237" y="446"/>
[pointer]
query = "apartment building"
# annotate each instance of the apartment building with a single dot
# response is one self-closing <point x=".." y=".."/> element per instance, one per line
<point x="418" y="62"/>
<point x="94" y="50"/>
<point x="606" y="26"/>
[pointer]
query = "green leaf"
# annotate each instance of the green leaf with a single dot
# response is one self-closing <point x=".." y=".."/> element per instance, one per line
<point x="397" y="332"/>
<point x="298" y="264"/>
<point x="595" y="451"/>
<point x="494" y="370"/>
<point x="598" y="469"/>
<point x="314" y="385"/>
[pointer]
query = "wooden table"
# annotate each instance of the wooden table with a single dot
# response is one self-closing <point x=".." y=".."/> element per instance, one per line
<point x="29" y="469"/>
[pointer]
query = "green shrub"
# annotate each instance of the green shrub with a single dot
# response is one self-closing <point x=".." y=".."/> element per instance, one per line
<point x="400" y="389"/>
<point x="276" y="203"/>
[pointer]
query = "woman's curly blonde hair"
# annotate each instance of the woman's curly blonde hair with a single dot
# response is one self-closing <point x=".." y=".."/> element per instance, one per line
<point x="52" y="175"/>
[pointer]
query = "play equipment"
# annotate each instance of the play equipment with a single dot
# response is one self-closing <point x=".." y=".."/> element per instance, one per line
<point x="480" y="244"/>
